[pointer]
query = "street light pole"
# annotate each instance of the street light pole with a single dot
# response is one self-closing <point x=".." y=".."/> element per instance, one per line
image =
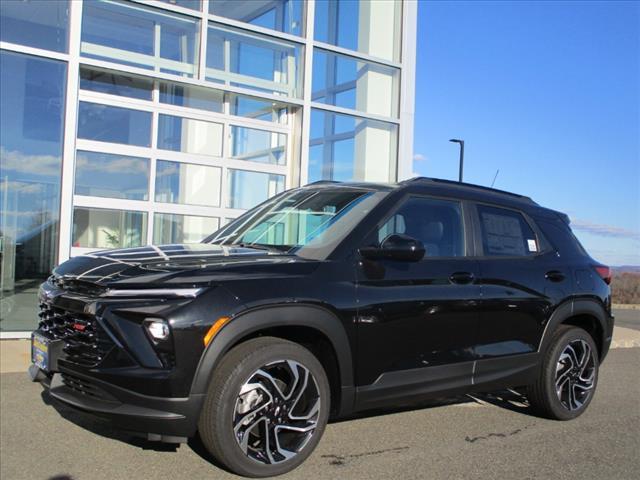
<point x="461" y="143"/>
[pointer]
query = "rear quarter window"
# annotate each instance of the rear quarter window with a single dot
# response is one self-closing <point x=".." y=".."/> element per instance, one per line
<point x="506" y="233"/>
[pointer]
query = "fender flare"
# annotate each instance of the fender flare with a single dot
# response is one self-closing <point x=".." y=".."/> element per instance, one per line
<point x="572" y="308"/>
<point x="301" y="315"/>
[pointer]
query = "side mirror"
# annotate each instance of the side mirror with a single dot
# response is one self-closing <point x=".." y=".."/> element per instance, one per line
<point x="396" y="247"/>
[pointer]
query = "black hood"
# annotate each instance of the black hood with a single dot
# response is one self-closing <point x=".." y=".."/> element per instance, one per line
<point x="175" y="265"/>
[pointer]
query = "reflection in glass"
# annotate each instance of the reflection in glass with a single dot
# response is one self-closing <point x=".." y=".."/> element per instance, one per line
<point x="31" y="120"/>
<point x="41" y="23"/>
<point x="114" y="124"/>
<point x="253" y="61"/>
<point x="247" y="189"/>
<point x="348" y="82"/>
<point x="187" y="183"/>
<point x="281" y="15"/>
<point x="101" y="175"/>
<point x="192" y="4"/>
<point x="171" y="228"/>
<point x="344" y="147"/>
<point x="373" y="27"/>
<point x="101" y="228"/>
<point x="105" y="81"/>
<point x="189" y="136"/>
<point x="140" y="36"/>
<point x="258" y="145"/>
<point x="192" y="97"/>
<point x="256" y="108"/>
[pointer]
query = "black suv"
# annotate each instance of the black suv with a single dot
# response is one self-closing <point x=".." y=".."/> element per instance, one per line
<point x="323" y="301"/>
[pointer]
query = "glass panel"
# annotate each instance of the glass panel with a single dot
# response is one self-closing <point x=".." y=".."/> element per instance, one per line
<point x="506" y="233"/>
<point x="192" y="4"/>
<point x="187" y="183"/>
<point x="190" y="136"/>
<point x="140" y="36"/>
<point x="281" y="15"/>
<point x="436" y="223"/>
<point x="39" y="23"/>
<point x="347" y="82"/>
<point x="247" y="189"/>
<point x="173" y="228"/>
<point x="253" y="61"/>
<point x="32" y="99"/>
<point x="104" y="81"/>
<point x="250" y="107"/>
<point x="191" y="97"/>
<point x="100" y="228"/>
<point x="344" y="148"/>
<point x="258" y="145"/>
<point x="101" y="175"/>
<point x="114" y="124"/>
<point x="372" y="27"/>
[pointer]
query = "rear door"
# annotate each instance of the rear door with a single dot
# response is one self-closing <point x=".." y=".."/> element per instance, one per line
<point x="521" y="281"/>
<point x="417" y="320"/>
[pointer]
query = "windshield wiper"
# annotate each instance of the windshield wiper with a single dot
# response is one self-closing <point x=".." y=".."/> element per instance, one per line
<point x="258" y="246"/>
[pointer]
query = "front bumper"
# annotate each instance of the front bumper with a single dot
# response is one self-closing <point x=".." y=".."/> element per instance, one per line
<point x="171" y="420"/>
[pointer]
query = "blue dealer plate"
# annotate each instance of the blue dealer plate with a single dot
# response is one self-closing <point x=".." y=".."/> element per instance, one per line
<point x="40" y="351"/>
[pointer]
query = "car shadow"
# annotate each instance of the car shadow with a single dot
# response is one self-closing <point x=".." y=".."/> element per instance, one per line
<point x="513" y="400"/>
<point x="103" y="428"/>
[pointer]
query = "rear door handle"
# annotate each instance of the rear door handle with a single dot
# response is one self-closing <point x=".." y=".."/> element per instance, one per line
<point x="554" y="276"/>
<point x="461" y="278"/>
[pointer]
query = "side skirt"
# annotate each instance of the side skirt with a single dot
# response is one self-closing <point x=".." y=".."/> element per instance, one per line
<point x="447" y="380"/>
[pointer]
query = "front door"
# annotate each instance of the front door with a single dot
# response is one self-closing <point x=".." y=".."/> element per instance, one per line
<point x="417" y="320"/>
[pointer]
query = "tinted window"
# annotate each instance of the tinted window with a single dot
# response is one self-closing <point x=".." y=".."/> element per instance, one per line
<point x="114" y="124"/>
<point x="505" y="232"/>
<point x="436" y="223"/>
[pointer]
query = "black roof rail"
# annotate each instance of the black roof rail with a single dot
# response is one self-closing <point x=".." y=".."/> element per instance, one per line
<point x="469" y="185"/>
<point x="320" y="182"/>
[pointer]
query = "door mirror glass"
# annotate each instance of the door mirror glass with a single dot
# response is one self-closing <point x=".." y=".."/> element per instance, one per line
<point x="396" y="247"/>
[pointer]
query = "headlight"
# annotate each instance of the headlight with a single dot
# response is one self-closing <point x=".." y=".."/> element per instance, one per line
<point x="154" y="292"/>
<point x="158" y="328"/>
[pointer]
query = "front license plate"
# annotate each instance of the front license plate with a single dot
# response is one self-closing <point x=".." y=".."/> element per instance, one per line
<point x="40" y="351"/>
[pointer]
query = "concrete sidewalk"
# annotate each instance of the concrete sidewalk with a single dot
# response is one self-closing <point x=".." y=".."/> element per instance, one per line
<point x="15" y="355"/>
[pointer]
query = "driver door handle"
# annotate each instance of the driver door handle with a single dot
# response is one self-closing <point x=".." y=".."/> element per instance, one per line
<point x="461" y="278"/>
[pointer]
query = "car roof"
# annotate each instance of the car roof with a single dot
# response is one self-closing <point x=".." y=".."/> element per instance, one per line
<point x="437" y="186"/>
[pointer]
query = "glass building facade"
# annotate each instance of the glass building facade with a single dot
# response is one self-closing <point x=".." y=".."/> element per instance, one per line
<point x="128" y="122"/>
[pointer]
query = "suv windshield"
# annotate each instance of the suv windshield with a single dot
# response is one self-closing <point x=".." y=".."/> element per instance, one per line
<point x="305" y="222"/>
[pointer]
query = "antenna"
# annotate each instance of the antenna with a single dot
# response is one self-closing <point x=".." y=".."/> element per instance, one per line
<point x="494" y="177"/>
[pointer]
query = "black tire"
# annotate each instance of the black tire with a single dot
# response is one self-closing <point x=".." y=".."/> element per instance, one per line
<point x="557" y="368"/>
<point x="220" y="410"/>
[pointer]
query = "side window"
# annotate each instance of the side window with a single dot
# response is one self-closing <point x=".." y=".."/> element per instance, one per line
<point x="436" y="223"/>
<point x="506" y="233"/>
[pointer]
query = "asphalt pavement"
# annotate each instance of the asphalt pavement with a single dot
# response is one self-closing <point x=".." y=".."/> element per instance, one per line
<point x="490" y="436"/>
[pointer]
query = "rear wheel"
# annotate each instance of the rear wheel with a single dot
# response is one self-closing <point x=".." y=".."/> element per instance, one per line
<point x="266" y="408"/>
<point x="568" y="375"/>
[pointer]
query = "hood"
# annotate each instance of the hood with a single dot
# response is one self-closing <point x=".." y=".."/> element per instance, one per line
<point x="174" y="265"/>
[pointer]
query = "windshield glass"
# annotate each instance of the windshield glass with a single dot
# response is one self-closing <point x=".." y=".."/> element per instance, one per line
<point x="308" y="223"/>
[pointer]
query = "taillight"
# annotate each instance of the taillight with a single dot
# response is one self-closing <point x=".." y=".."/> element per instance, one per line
<point x="604" y="272"/>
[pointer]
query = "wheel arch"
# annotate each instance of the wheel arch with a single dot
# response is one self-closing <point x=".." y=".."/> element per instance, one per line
<point x="586" y="314"/>
<point x="313" y="326"/>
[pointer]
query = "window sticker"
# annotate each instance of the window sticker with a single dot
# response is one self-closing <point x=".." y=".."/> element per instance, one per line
<point x="533" y="246"/>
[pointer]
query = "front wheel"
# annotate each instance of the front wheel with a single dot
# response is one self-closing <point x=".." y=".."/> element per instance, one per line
<point x="266" y="408"/>
<point x="568" y="375"/>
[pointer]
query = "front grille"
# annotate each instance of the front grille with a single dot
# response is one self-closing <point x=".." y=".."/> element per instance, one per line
<point x="85" y="387"/>
<point x="86" y="343"/>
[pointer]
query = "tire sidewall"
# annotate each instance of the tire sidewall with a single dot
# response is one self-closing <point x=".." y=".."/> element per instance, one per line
<point x="232" y="455"/>
<point x="558" y="409"/>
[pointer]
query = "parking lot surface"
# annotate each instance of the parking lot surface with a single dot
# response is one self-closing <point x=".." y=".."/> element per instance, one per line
<point x="488" y="437"/>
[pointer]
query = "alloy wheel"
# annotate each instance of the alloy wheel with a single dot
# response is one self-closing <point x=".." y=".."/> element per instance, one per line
<point x="276" y="412"/>
<point x="575" y="374"/>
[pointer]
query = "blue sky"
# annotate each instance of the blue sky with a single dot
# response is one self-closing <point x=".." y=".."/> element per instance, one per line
<point x="549" y="94"/>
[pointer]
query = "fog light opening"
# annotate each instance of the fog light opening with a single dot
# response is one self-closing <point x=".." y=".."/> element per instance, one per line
<point x="158" y="329"/>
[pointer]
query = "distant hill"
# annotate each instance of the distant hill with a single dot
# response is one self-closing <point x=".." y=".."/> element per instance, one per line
<point x="626" y="269"/>
<point x="625" y="285"/>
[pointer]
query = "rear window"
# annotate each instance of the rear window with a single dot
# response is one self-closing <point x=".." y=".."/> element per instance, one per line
<point x="506" y="233"/>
